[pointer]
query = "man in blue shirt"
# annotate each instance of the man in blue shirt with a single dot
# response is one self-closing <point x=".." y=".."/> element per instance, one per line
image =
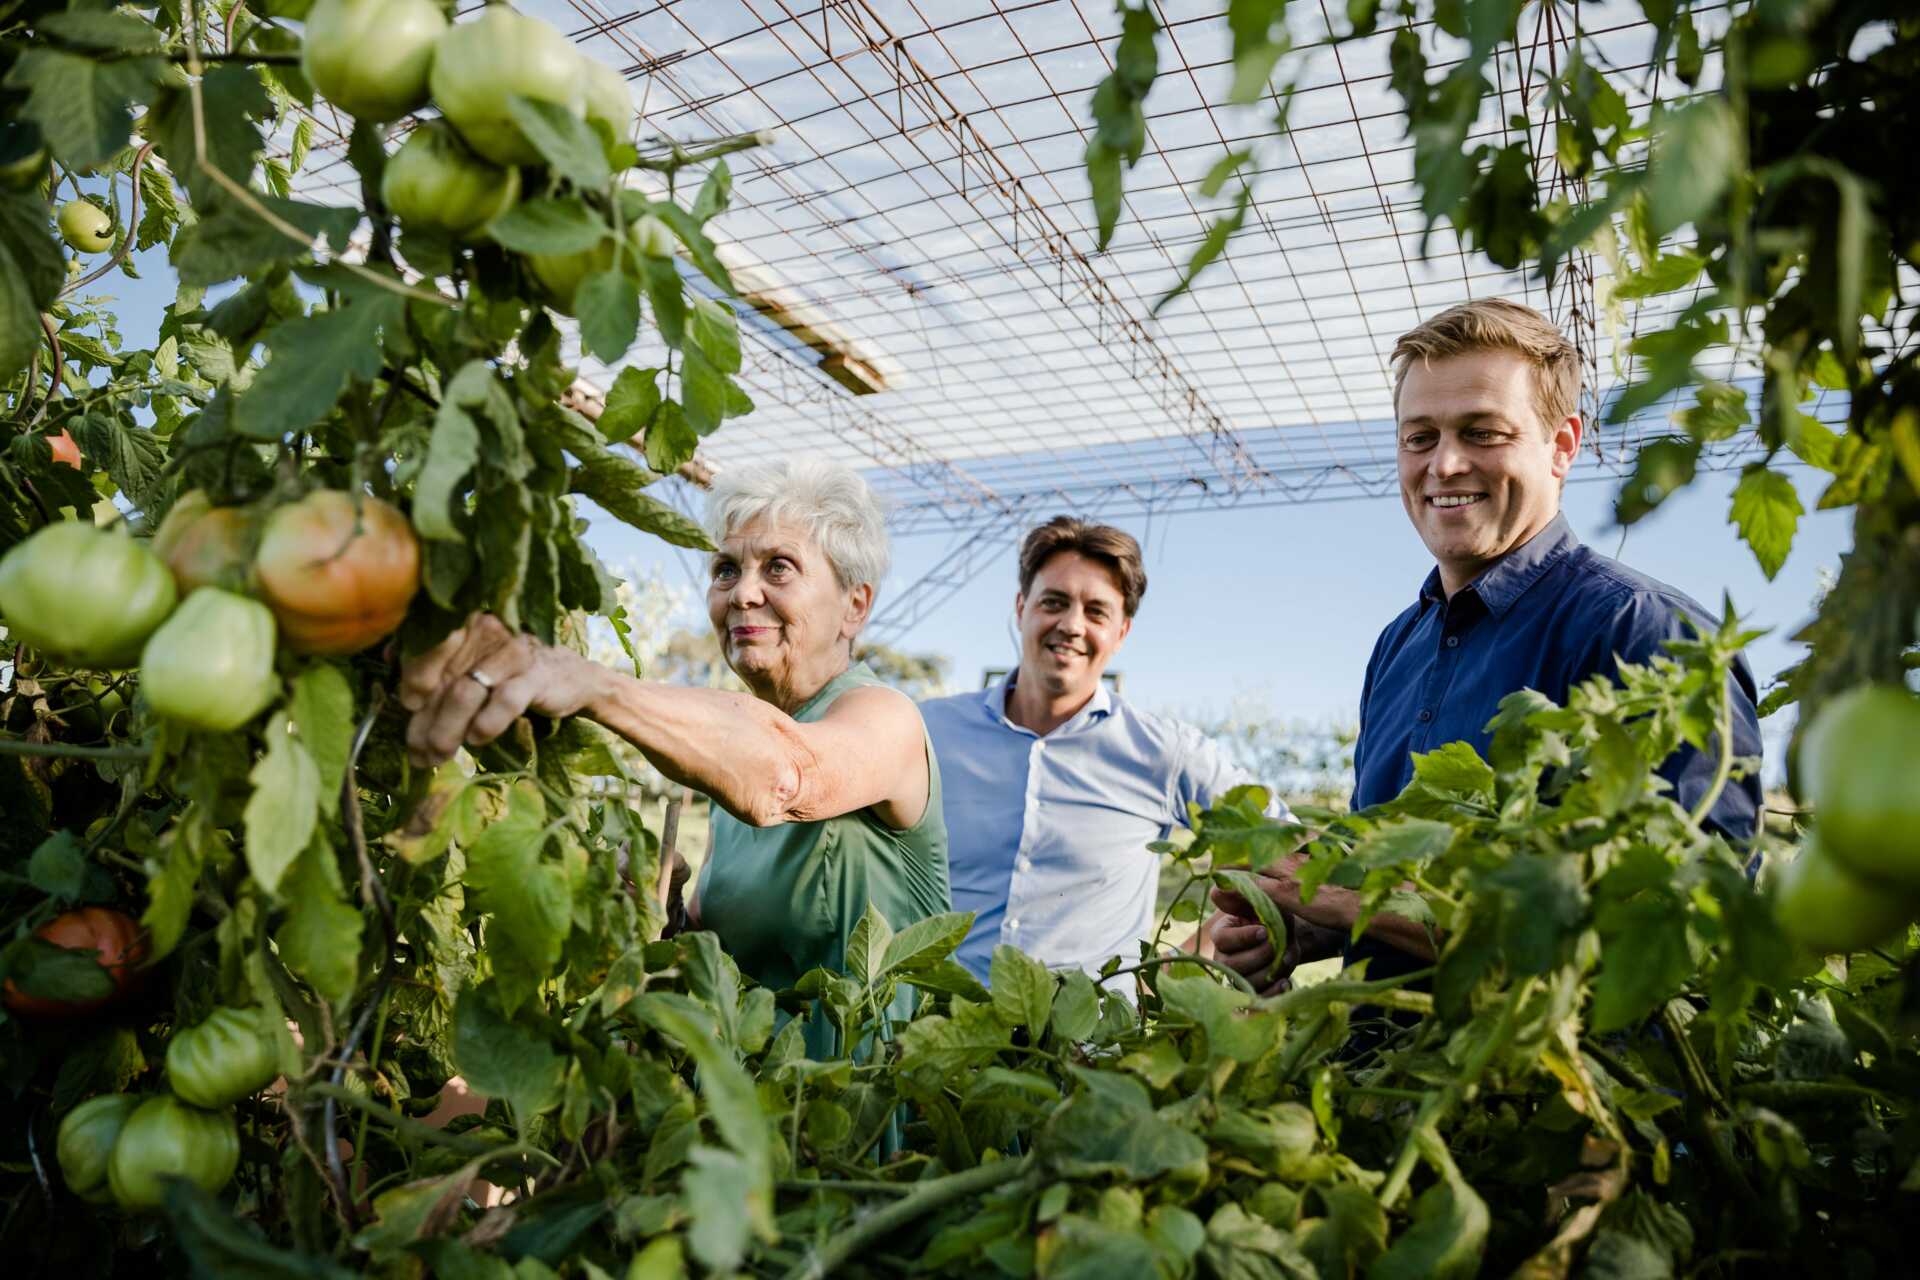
<point x="1488" y="428"/>
<point x="1053" y="786"/>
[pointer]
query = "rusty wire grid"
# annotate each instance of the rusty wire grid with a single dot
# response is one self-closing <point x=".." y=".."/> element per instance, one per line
<point x="924" y="211"/>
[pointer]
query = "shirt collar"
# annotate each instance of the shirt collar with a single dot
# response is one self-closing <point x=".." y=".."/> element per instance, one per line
<point x="1502" y="585"/>
<point x="994" y="700"/>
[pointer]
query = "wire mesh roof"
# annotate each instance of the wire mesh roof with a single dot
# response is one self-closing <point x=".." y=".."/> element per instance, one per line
<point x="923" y="212"/>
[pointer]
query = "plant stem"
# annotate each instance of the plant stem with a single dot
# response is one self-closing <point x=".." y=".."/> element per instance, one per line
<point x="15" y="747"/>
<point x="850" y="1185"/>
<point x="926" y="1197"/>
<point x="1724" y="769"/>
<point x="1188" y="957"/>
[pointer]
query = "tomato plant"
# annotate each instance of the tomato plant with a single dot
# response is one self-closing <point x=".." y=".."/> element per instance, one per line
<point x="370" y="58"/>
<point x="229" y="1055"/>
<point x="165" y="1138"/>
<point x="85" y="594"/>
<point x="337" y="570"/>
<point x="1620" y="1061"/>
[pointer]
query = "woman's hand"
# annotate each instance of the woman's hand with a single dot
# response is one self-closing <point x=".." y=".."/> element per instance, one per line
<point x="473" y="685"/>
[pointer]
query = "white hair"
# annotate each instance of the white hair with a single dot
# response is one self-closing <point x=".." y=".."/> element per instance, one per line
<point x="832" y="503"/>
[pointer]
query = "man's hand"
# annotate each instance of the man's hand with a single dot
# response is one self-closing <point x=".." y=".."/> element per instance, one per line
<point x="1241" y="943"/>
<point x="473" y="685"/>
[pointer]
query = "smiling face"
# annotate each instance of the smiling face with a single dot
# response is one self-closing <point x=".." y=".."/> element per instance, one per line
<point x="1480" y="474"/>
<point x="784" y="621"/>
<point x="1072" y="621"/>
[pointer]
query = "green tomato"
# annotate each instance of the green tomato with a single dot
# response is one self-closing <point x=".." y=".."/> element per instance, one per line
<point x="87" y="595"/>
<point x="85" y="1143"/>
<point x="1861" y="761"/>
<point x="371" y="58"/>
<point x="607" y="97"/>
<point x="652" y="237"/>
<point x="165" y="1138"/>
<point x="562" y="274"/>
<point x="480" y="64"/>
<point x="435" y="181"/>
<point x="232" y="1055"/>
<point x="85" y="226"/>
<point x="1824" y="906"/>
<point x="211" y="665"/>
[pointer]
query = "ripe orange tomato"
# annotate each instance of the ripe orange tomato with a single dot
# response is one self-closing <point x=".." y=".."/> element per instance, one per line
<point x="113" y="936"/>
<point x="64" y="449"/>
<point x="338" y="570"/>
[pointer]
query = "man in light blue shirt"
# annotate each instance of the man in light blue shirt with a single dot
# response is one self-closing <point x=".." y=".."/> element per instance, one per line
<point x="1053" y="785"/>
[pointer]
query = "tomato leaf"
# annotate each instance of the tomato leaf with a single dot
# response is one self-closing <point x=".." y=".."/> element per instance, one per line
<point x="505" y="1057"/>
<point x="284" y="806"/>
<point x="452" y="452"/>
<point x="312" y="361"/>
<point x="1766" y="509"/>
<point x="632" y="402"/>
<point x="82" y="106"/>
<point x="716" y="333"/>
<point x="1022" y="989"/>
<point x="567" y="142"/>
<point x="548" y="225"/>
<point x="925" y="943"/>
<point x="1076" y="1008"/>
<point x="58" y="868"/>
<point x="322" y="715"/>
<point x="613" y="482"/>
<point x="1695" y="150"/>
<point x="320" y="938"/>
<point x="867" y="946"/>
<point x="525" y="893"/>
<point x="608" y="306"/>
<point x="715" y="193"/>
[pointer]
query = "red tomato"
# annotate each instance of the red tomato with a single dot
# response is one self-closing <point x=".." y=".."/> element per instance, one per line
<point x="115" y="937"/>
<point x="64" y="449"/>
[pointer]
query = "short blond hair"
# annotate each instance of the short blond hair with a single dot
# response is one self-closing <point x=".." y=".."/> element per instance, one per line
<point x="1494" y="324"/>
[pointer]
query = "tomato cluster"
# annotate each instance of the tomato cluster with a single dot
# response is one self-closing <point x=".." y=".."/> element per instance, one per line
<point x="124" y="1147"/>
<point x="333" y="573"/>
<point x="380" y="59"/>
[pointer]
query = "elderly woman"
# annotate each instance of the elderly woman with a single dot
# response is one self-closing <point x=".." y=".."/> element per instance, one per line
<point x="825" y="790"/>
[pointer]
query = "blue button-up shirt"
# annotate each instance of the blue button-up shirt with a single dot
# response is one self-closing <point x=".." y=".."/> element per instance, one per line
<point x="1551" y="614"/>
<point x="1047" y="835"/>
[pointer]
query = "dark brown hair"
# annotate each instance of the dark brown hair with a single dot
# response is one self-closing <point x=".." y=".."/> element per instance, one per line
<point x="1494" y="324"/>
<point x="1114" y="548"/>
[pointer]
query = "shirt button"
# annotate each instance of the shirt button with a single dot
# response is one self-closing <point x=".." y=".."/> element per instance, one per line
<point x="1013" y="926"/>
<point x="1025" y="863"/>
<point x="1453" y="642"/>
<point x="1425" y="715"/>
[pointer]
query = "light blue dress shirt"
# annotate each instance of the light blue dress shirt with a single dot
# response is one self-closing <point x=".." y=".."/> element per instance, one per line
<point x="1047" y="836"/>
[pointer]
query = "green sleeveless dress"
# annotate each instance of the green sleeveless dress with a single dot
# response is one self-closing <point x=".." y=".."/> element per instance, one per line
<point x="785" y="899"/>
